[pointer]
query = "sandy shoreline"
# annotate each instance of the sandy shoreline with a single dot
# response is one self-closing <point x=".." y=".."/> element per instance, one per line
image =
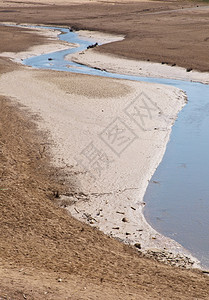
<point x="79" y="111"/>
<point x="119" y="65"/>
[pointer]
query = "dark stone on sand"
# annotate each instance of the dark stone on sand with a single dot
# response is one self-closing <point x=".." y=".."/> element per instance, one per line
<point x="56" y="194"/>
<point x="137" y="245"/>
<point x="124" y="220"/>
<point x="92" y="46"/>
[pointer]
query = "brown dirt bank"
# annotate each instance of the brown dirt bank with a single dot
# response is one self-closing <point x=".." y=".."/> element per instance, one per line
<point x="155" y="31"/>
<point x="17" y="39"/>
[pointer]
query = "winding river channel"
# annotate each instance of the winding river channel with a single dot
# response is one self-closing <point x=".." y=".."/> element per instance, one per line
<point x="177" y="198"/>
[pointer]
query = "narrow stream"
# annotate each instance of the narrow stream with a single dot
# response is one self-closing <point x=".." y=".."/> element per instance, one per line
<point x="177" y="198"/>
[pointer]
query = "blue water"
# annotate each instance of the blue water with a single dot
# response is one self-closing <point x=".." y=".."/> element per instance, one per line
<point x="177" y="198"/>
<point x="178" y="204"/>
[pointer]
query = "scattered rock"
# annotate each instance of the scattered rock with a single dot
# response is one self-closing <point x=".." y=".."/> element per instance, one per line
<point x="87" y="216"/>
<point x="128" y="233"/>
<point x="116" y="228"/>
<point x="124" y="220"/>
<point x="138" y="245"/>
<point x="59" y="280"/>
<point x="73" y="28"/>
<point x="50" y="58"/>
<point x="56" y="194"/>
<point x="133" y="208"/>
<point x="189" y="69"/>
<point x="170" y="258"/>
<point x="173" y="65"/>
<point x="92" y="46"/>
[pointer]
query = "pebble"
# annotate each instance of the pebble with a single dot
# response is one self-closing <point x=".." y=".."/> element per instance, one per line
<point x="124" y="220"/>
<point x="138" y="245"/>
<point x="170" y="258"/>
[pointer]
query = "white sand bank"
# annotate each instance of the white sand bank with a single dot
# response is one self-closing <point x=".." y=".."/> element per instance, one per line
<point x="99" y="37"/>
